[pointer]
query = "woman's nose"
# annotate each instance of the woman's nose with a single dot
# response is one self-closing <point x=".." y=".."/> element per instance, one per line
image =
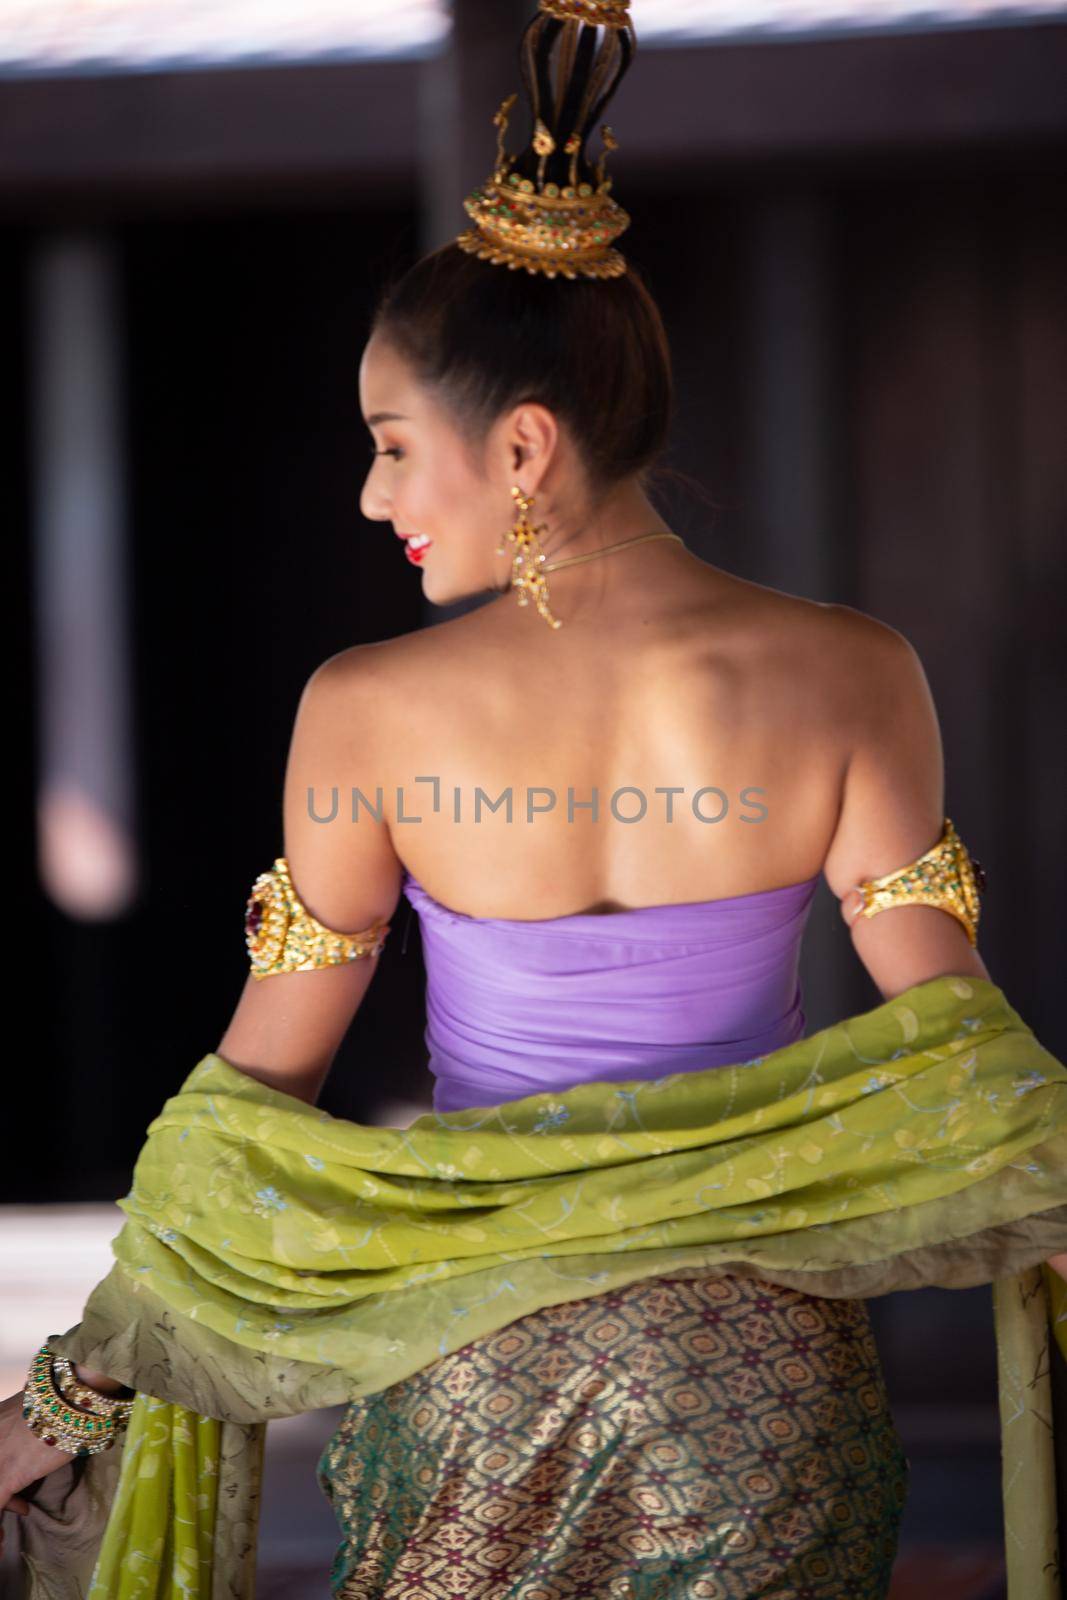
<point x="372" y="503"/>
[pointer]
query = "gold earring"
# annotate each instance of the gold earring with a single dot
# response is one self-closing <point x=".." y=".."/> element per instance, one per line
<point x="526" y="576"/>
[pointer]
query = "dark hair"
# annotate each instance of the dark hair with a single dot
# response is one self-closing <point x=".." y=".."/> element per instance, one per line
<point x="485" y="338"/>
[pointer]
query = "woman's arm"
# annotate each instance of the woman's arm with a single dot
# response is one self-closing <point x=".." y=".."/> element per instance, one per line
<point x="892" y="810"/>
<point x="288" y="1027"/>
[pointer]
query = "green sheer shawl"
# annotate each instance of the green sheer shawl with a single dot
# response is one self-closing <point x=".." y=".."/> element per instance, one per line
<point x="276" y="1259"/>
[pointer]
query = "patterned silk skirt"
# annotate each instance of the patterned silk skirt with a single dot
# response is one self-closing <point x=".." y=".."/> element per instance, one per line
<point x="715" y="1438"/>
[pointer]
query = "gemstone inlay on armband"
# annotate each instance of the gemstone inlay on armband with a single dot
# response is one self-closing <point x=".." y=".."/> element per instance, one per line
<point x="283" y="936"/>
<point x="946" y="876"/>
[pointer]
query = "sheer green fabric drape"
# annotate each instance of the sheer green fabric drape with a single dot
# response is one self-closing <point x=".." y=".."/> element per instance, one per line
<point x="276" y="1259"/>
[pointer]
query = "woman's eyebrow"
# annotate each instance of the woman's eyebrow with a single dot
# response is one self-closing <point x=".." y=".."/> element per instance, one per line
<point x="385" y="416"/>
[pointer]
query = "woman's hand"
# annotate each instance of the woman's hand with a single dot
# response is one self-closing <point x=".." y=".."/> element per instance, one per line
<point x="24" y="1458"/>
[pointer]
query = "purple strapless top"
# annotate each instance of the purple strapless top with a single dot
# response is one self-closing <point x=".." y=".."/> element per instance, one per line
<point x="519" y="1007"/>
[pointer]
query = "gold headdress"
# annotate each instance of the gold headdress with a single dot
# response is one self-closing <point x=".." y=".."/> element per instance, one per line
<point x="547" y="209"/>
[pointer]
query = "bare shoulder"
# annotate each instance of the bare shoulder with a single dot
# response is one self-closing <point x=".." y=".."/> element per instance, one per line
<point x="362" y="665"/>
<point x="862" y="637"/>
<point x="869" y="659"/>
<point x="883" y="669"/>
<point x="862" y="669"/>
<point x="373" y="669"/>
<point x="851" y="632"/>
<point x="894" y="793"/>
<point x="364" y="696"/>
<point x="835" y="644"/>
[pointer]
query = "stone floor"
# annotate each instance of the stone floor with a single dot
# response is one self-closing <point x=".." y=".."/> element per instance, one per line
<point x="51" y="1256"/>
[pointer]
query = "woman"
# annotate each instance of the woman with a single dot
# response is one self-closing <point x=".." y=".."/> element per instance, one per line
<point x="720" y="1427"/>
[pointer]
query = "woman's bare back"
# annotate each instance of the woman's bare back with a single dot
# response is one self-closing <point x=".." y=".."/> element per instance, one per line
<point x="816" y="719"/>
<point x="740" y="699"/>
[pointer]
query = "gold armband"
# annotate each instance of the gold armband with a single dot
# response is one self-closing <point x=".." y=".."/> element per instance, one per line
<point x="283" y="936"/>
<point x="946" y="876"/>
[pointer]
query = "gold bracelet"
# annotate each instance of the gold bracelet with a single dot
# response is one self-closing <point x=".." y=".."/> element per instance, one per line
<point x="283" y="936"/>
<point x="54" y="1420"/>
<point x="82" y="1394"/>
<point x="946" y="876"/>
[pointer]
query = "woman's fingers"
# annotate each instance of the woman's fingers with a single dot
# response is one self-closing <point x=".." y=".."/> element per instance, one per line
<point x="15" y="1503"/>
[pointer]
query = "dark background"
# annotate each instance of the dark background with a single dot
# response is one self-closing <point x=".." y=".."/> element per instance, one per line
<point x="860" y="250"/>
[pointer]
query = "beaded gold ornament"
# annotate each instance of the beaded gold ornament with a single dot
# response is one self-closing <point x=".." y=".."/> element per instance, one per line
<point x="56" y="1420"/>
<point x="527" y="579"/>
<point x="83" y="1395"/>
<point x="610" y="12"/>
<point x="555" y="214"/>
<point x="946" y="876"/>
<point x="528" y="565"/>
<point x="283" y="936"/>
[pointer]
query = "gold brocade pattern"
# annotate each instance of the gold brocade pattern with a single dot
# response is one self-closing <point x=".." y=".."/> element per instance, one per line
<point x="709" y="1438"/>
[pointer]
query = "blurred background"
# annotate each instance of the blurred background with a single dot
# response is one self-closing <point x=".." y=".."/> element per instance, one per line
<point x="853" y="217"/>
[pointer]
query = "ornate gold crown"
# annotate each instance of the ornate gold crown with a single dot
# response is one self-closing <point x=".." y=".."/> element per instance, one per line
<point x="563" y="223"/>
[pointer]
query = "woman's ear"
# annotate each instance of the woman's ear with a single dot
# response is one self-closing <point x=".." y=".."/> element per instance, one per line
<point x="534" y="430"/>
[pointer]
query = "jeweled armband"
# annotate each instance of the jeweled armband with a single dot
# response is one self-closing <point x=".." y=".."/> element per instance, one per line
<point x="946" y="876"/>
<point x="283" y="936"/>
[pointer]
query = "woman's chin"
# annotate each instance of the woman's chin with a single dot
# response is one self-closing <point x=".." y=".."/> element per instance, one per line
<point x="442" y="591"/>
<point x="434" y="590"/>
